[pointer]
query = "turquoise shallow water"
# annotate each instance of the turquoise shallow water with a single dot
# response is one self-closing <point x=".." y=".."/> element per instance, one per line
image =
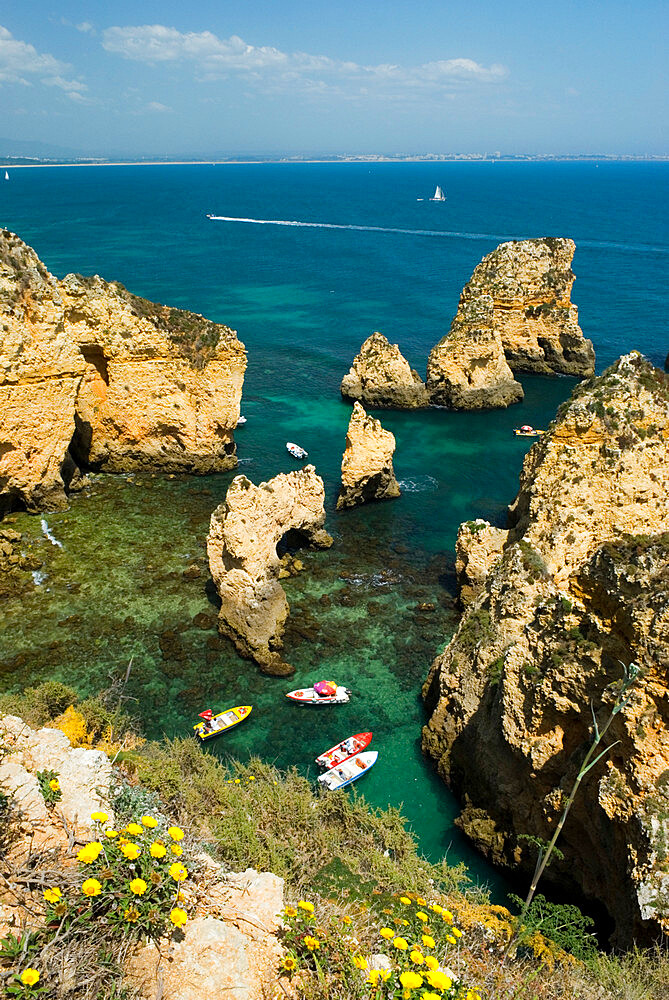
<point x="303" y="300"/>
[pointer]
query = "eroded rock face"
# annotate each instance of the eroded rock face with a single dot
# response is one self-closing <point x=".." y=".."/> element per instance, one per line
<point x="91" y="374"/>
<point x="530" y="283"/>
<point x="367" y="465"/>
<point x="577" y="585"/>
<point x="242" y="547"/>
<point x="467" y="369"/>
<point x="380" y="376"/>
<point x="477" y="546"/>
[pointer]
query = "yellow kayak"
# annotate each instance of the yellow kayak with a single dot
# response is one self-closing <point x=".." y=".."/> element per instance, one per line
<point x="222" y="722"/>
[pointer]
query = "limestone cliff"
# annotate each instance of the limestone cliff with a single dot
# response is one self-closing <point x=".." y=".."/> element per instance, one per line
<point x="91" y="374"/>
<point x="578" y="584"/>
<point x="381" y="376"/>
<point x="242" y="547"/>
<point x="367" y="464"/>
<point x="530" y="283"/>
<point x="467" y="369"/>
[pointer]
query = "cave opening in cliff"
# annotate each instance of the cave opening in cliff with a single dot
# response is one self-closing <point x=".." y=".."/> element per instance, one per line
<point x="292" y="541"/>
<point x="94" y="356"/>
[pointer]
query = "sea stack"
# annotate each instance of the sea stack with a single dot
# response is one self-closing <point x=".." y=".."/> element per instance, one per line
<point x="367" y="464"/>
<point x="242" y="548"/>
<point x="573" y="591"/>
<point x="467" y="369"/>
<point x="530" y="283"/>
<point x="381" y="377"/>
<point x="94" y="376"/>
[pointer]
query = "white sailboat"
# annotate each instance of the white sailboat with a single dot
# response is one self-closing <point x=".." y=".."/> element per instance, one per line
<point x="438" y="195"/>
<point x="6" y="175"/>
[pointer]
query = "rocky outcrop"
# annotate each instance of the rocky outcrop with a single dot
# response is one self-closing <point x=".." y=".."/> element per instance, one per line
<point x="577" y="586"/>
<point x="467" y="369"/>
<point x="242" y="544"/>
<point x="530" y="283"/>
<point x="367" y="465"/>
<point x="380" y="376"/>
<point x="477" y="546"/>
<point x="93" y="375"/>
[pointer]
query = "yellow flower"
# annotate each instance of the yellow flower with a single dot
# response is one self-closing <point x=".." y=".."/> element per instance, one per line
<point x="405" y="923"/>
<point x="91" y="887"/>
<point x="90" y="852"/>
<point x="472" y="995"/>
<point x="138" y="886"/>
<point x="450" y="939"/>
<point x="410" y="980"/>
<point x="178" y="872"/>
<point x="438" y="979"/>
<point x="177" y="850"/>
<point x="29" y="977"/>
<point x="416" y="957"/>
<point x="421" y="916"/>
<point x="359" y="962"/>
<point x="149" y="821"/>
<point x="178" y="917"/>
<point x="373" y="977"/>
<point x="130" y="851"/>
<point x="175" y="833"/>
<point x="428" y="941"/>
<point x="131" y="915"/>
<point x="252" y="777"/>
<point x="312" y="943"/>
<point x="99" y="817"/>
<point x="290" y="911"/>
<point x="386" y="933"/>
<point x="405" y="900"/>
<point x="437" y="908"/>
<point x="52" y="895"/>
<point x="400" y="944"/>
<point x="111" y="834"/>
<point x="457" y="932"/>
<point x="347" y="920"/>
<point x="54" y="785"/>
<point x="429" y="995"/>
<point x="304" y="905"/>
<point x="447" y="916"/>
<point x="237" y="781"/>
<point x="289" y="963"/>
<point x="157" y="850"/>
<point x="134" y="829"/>
<point x="420" y="901"/>
<point x="431" y="962"/>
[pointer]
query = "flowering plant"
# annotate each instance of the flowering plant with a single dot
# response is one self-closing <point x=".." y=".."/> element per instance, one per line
<point x="49" y="786"/>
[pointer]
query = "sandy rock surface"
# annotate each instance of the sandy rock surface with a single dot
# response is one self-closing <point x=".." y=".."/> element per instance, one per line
<point x="381" y="376"/>
<point x="367" y="465"/>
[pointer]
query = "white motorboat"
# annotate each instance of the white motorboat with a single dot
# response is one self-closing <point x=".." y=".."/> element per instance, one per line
<point x="438" y="195"/>
<point x="350" y="770"/>
<point x="241" y="422"/>
<point x="295" y="450"/>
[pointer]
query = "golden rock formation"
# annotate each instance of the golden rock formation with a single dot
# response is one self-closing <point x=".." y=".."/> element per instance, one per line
<point x="242" y="547"/>
<point x="575" y="588"/>
<point x="367" y="464"/>
<point x="467" y="369"/>
<point x="381" y="376"/>
<point x="91" y="374"/>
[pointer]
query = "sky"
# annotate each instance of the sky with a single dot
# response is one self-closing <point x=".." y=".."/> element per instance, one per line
<point x="213" y="78"/>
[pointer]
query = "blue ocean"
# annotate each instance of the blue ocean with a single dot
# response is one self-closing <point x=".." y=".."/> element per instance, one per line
<point x="303" y="298"/>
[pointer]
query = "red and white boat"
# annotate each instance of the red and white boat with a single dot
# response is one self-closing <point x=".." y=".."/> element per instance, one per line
<point x="350" y="770"/>
<point x="342" y="751"/>
<point x="322" y="693"/>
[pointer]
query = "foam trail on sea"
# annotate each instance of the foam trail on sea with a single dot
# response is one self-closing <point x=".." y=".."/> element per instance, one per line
<point x="46" y="531"/>
<point x="419" y="484"/>
<point x="447" y="233"/>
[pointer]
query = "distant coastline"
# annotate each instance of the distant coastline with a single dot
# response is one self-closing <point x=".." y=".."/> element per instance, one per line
<point x="21" y="162"/>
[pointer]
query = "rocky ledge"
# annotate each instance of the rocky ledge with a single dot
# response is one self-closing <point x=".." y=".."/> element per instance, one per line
<point x="91" y="375"/>
<point x="242" y="547"/>
<point x="467" y="369"/>
<point x="530" y="283"/>
<point x="367" y="464"/>
<point x="381" y="376"/>
<point x="575" y="588"/>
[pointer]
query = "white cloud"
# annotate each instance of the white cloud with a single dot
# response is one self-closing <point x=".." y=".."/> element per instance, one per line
<point x="217" y="58"/>
<point x="157" y="106"/>
<point x="20" y="61"/>
<point x="85" y="27"/>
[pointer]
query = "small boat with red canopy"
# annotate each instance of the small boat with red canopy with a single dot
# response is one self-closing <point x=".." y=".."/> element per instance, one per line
<point x="214" y="725"/>
<point x="342" y="751"/>
<point x="322" y="693"/>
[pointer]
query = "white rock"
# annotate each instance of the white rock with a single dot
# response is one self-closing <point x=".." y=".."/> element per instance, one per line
<point x="85" y="777"/>
<point x="24" y="791"/>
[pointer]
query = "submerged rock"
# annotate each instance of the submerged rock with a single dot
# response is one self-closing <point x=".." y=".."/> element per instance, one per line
<point x="530" y="283"/>
<point x="367" y="465"/>
<point x="92" y="375"/>
<point x="467" y="369"/>
<point x="242" y="544"/>
<point x="381" y="376"/>
<point x="576" y="587"/>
